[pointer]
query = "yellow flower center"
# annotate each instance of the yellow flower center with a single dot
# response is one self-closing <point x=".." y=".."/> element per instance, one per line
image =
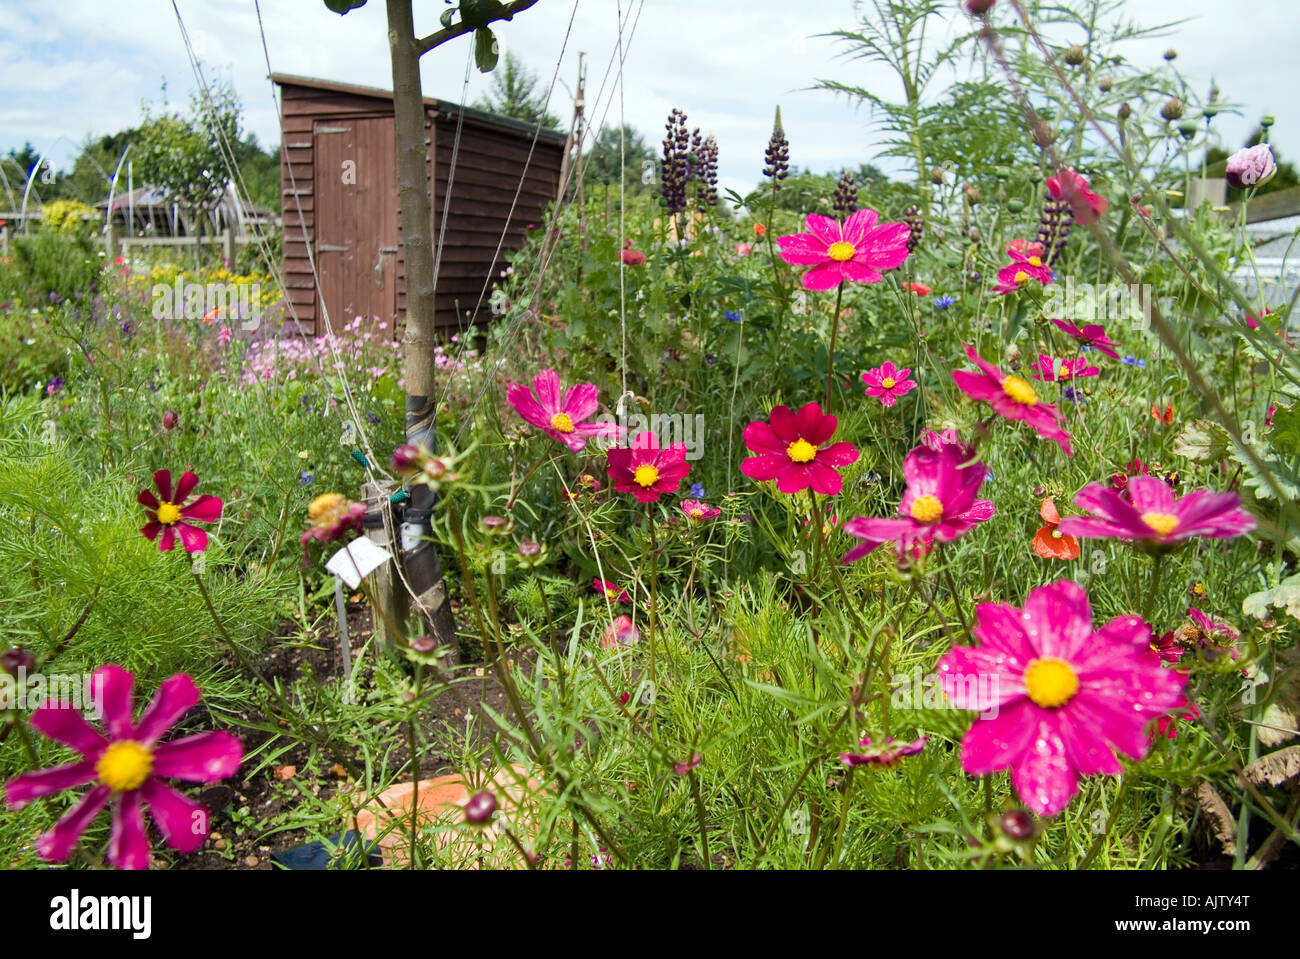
<point x="168" y="513"/>
<point x="1057" y="534"/>
<point x="611" y="592"/>
<point x="801" y="451"/>
<point x="1035" y="261"/>
<point x="1019" y="390"/>
<point x="645" y="475"/>
<point x="887" y="382"/>
<point x="1050" y="682"/>
<point x="697" y="512"/>
<point x="562" y="422"/>
<point x="1162" y="523"/>
<point x="927" y="509"/>
<point x="124" y="766"/>
<point x="1021" y="276"/>
<point x="840" y="251"/>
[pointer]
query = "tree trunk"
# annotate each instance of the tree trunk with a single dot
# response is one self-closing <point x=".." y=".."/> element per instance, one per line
<point x="420" y="560"/>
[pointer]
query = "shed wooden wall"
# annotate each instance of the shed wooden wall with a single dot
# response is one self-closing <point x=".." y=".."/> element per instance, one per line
<point x="489" y="163"/>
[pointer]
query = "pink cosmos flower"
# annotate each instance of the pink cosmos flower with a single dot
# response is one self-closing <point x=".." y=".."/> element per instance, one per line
<point x="888" y="382"/>
<point x="1073" y="188"/>
<point x="558" y="417"/>
<point x="127" y="766"/>
<point x="645" y="469"/>
<point x="698" y="512"/>
<point x="858" y="251"/>
<point x="1013" y="398"/>
<point x="789" y="448"/>
<point x="1212" y="629"/>
<point x="937" y="441"/>
<point x="167" y="512"/>
<point x="1067" y="696"/>
<point x="1091" y="334"/>
<point x="939" y="502"/>
<point x="611" y="591"/>
<point x="884" y="755"/>
<point x="621" y="632"/>
<point x="1152" y="514"/>
<point x="1022" y="268"/>
<point x="1062" y="370"/>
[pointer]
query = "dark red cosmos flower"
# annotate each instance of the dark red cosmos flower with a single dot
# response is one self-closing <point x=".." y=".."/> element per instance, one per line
<point x="790" y="451"/>
<point x="168" y="512"/>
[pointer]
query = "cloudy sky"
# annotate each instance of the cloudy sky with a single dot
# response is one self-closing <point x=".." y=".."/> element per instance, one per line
<point x="77" y="68"/>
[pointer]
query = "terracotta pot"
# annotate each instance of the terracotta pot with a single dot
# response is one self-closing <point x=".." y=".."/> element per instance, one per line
<point x="386" y="818"/>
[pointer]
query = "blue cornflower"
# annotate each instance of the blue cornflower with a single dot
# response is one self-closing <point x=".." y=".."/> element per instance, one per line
<point x="943" y="302"/>
<point x="709" y="358"/>
<point x="305" y="478"/>
<point x="697" y="490"/>
<point x="1074" y="395"/>
<point x="733" y="316"/>
<point x="988" y="476"/>
<point x="1132" y="360"/>
<point x="373" y="418"/>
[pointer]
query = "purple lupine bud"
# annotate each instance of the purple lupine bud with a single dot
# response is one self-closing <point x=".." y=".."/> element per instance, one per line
<point x="777" y="155"/>
<point x="915" y="222"/>
<point x="846" y="195"/>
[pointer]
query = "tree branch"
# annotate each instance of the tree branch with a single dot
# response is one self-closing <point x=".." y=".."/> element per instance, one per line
<point x="459" y="30"/>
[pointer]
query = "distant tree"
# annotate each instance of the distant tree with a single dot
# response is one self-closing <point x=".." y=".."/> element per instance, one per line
<point x="602" y="162"/>
<point x="260" y="171"/>
<point x="183" y="155"/>
<point x="806" y="192"/>
<point x="92" y="171"/>
<point x="517" y="92"/>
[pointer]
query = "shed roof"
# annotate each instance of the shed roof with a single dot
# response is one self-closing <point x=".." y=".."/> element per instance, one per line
<point x="444" y="107"/>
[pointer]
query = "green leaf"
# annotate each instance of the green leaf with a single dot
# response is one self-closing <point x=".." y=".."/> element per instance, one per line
<point x="445" y="19"/>
<point x="1285" y="594"/>
<point x="485" y="50"/>
<point x="1202" y="441"/>
<point x="479" y="13"/>
<point x="1285" y="434"/>
<point x="343" y="6"/>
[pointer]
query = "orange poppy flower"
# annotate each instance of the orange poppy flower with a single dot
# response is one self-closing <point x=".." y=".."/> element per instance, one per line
<point x="759" y="229"/>
<point x="1049" y="542"/>
<point x="1166" y="417"/>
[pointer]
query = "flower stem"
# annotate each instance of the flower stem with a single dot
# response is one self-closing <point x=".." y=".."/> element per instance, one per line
<point x="654" y="608"/>
<point x="699" y="815"/>
<point x="1155" y="585"/>
<point x="835" y="331"/>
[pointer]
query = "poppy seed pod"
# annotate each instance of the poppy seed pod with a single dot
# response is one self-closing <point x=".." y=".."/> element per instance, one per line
<point x="1170" y="55"/>
<point x="1105" y="84"/>
<point x="1125" y="111"/>
<point x="1074" y="55"/>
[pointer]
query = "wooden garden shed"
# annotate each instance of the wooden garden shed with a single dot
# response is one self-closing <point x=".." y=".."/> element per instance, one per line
<point x="339" y="168"/>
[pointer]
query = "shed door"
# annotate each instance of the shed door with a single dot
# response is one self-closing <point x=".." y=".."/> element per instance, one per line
<point x="356" y="219"/>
